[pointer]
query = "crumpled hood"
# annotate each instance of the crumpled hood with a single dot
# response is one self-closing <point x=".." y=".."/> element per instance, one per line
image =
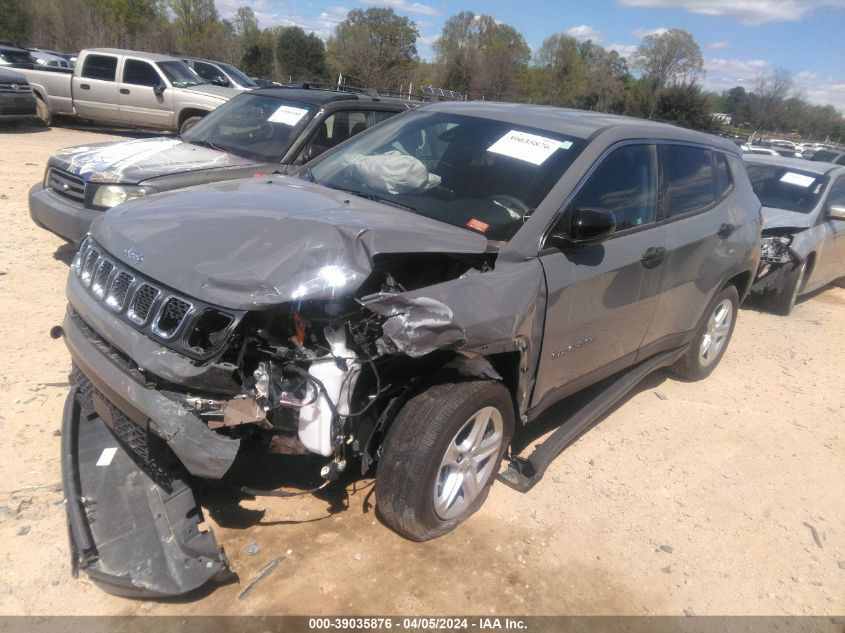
<point x="777" y="218"/>
<point x="246" y="244"/>
<point x="135" y="161"/>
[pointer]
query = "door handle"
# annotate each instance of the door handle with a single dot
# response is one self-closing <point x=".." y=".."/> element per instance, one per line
<point x="726" y="230"/>
<point x="85" y="86"/>
<point x="653" y="256"/>
<point x="124" y="91"/>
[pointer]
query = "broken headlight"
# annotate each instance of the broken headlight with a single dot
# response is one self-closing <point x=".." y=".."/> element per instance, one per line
<point x="208" y="330"/>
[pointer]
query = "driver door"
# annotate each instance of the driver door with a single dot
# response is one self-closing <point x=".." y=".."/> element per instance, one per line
<point x="602" y="297"/>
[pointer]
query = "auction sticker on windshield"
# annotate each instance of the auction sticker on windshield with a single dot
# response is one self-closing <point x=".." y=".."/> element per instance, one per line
<point x="287" y="115"/>
<point x="799" y="180"/>
<point x="528" y="147"/>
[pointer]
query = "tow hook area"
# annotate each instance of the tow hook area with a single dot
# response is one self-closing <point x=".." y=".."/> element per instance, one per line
<point x="134" y="536"/>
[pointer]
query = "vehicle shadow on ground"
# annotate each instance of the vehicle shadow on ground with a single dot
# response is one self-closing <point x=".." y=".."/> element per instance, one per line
<point x="133" y="133"/>
<point x="278" y="476"/>
<point x="299" y="474"/>
<point x="65" y="253"/>
<point x="21" y="128"/>
<point x="562" y="412"/>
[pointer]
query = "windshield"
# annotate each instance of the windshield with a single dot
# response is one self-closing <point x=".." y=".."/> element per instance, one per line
<point x="180" y="74"/>
<point x="484" y="175"/>
<point x="780" y="187"/>
<point x="258" y="127"/>
<point x="238" y="76"/>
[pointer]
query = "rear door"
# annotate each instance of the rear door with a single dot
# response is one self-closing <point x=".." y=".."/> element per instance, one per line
<point x="702" y="225"/>
<point x="601" y="297"/>
<point x="138" y="102"/>
<point x="95" y="88"/>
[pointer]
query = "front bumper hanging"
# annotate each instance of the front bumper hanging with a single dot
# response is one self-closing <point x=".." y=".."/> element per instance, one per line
<point x="135" y="533"/>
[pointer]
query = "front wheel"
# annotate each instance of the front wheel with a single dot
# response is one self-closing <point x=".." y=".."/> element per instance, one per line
<point x="188" y="123"/>
<point x="441" y="455"/>
<point x="711" y="338"/>
<point x="42" y="112"/>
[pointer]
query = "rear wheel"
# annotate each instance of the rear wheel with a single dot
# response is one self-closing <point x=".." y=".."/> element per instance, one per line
<point x="711" y="338"/>
<point x="783" y="302"/>
<point x="441" y="455"/>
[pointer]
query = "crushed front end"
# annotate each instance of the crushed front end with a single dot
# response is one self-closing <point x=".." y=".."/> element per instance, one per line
<point x="777" y="258"/>
<point x="167" y="388"/>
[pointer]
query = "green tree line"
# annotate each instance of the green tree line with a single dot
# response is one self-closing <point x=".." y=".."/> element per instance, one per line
<point x="474" y="55"/>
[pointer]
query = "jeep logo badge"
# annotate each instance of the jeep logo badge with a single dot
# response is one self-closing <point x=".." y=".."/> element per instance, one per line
<point x="133" y="255"/>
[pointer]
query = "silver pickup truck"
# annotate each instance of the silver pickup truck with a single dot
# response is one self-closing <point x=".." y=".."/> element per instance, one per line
<point x="127" y="88"/>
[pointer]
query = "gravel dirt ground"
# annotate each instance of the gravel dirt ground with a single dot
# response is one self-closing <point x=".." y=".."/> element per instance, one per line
<point x="687" y="498"/>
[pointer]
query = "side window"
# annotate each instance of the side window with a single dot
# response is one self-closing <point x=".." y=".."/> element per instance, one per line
<point x="625" y="183"/>
<point x="841" y="160"/>
<point x="724" y="180"/>
<point x="837" y="192"/>
<point x="140" y="73"/>
<point x="207" y="71"/>
<point x="689" y="181"/>
<point x="335" y="129"/>
<point x="102" y="67"/>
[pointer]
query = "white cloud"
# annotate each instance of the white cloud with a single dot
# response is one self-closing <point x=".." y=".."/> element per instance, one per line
<point x="641" y="33"/>
<point x="624" y="50"/>
<point x="723" y="74"/>
<point x="751" y="12"/>
<point x="584" y="32"/>
<point x="717" y="46"/>
<point x="820" y="89"/>
<point x="404" y="5"/>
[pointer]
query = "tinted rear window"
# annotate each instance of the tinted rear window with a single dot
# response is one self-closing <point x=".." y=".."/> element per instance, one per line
<point x="100" y="67"/>
<point x="688" y="173"/>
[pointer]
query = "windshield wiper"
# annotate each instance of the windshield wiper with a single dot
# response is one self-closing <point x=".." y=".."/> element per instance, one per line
<point x="210" y="145"/>
<point x="377" y="198"/>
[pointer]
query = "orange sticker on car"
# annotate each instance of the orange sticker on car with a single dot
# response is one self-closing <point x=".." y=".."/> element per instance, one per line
<point x="478" y="225"/>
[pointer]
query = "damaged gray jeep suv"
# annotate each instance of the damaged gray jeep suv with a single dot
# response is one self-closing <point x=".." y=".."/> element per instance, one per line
<point x="408" y="302"/>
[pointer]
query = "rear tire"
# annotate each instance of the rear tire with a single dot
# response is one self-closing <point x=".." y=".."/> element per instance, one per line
<point x="711" y="338"/>
<point x="188" y="123"/>
<point x="42" y="112"/>
<point x="441" y="455"/>
<point x="783" y="302"/>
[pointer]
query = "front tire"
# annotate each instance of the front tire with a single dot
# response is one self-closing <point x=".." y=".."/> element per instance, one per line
<point x="42" y="112"/>
<point x="188" y="123"/>
<point x="441" y="455"/>
<point x="711" y="338"/>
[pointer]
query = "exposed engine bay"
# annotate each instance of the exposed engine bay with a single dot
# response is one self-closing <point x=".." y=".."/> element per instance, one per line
<point x="774" y="252"/>
<point x="314" y="375"/>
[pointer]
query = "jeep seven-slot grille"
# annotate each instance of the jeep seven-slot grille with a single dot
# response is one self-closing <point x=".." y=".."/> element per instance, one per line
<point x="141" y="302"/>
<point x="66" y="185"/>
<point x="190" y="327"/>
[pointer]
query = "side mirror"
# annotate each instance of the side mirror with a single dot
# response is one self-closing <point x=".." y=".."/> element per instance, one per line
<point x="159" y="89"/>
<point x="836" y="211"/>
<point x="583" y="226"/>
<point x="220" y="80"/>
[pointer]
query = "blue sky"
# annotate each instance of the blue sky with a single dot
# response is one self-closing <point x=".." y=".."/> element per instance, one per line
<point x="740" y="39"/>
